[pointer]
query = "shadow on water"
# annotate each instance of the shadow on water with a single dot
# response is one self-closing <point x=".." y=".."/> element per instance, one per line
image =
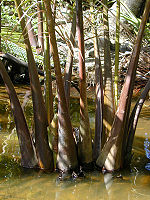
<point x="18" y="183"/>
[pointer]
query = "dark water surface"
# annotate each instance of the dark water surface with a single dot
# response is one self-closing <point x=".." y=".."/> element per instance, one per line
<point x="18" y="184"/>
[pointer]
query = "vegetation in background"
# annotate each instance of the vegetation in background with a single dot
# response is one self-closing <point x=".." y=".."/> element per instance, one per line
<point x="117" y="52"/>
<point x="133" y="22"/>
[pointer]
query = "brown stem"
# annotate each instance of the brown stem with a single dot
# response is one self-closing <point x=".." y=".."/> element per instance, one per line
<point x="28" y="158"/>
<point x="85" y="142"/>
<point x="44" y="153"/>
<point x="69" y="63"/>
<point x="112" y="155"/>
<point x="133" y="123"/>
<point x="67" y="155"/>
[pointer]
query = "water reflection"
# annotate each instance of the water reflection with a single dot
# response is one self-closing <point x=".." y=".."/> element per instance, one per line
<point x="18" y="183"/>
<point x="108" y="180"/>
<point x="5" y="142"/>
<point x="147" y="150"/>
<point x="6" y="119"/>
<point x="95" y="186"/>
<point x="147" y="166"/>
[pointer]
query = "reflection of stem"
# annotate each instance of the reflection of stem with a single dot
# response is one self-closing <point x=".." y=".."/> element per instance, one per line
<point x="108" y="180"/>
<point x="135" y="175"/>
<point x="134" y="189"/>
<point x="141" y="194"/>
<point x="26" y="99"/>
<point x="5" y="141"/>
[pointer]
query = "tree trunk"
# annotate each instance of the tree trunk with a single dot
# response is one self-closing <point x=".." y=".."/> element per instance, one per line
<point x="44" y="153"/>
<point x="67" y="155"/>
<point x="85" y="142"/>
<point x="28" y="157"/>
<point x="112" y="155"/>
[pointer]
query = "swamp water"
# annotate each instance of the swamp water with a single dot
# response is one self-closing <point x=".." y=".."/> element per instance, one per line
<point x="22" y="184"/>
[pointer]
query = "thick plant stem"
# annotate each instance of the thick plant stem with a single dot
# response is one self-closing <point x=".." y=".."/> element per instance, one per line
<point x="98" y="95"/>
<point x="85" y="142"/>
<point x="67" y="155"/>
<point x="43" y="151"/>
<point x="108" y="83"/>
<point x="40" y="27"/>
<point x="47" y="76"/>
<point x="117" y="52"/>
<point x="112" y="154"/>
<point x="32" y="37"/>
<point x="134" y="61"/>
<point x="133" y="123"/>
<point x="69" y="63"/>
<point x="99" y="101"/>
<point x="28" y="157"/>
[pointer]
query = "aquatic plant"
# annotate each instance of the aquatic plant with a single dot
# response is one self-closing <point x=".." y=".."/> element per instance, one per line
<point x="72" y="154"/>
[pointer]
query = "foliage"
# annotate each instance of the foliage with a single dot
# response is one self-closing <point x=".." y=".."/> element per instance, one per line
<point x="14" y="49"/>
<point x="12" y="41"/>
<point x="134" y="23"/>
<point x="8" y="15"/>
<point x="19" y="51"/>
